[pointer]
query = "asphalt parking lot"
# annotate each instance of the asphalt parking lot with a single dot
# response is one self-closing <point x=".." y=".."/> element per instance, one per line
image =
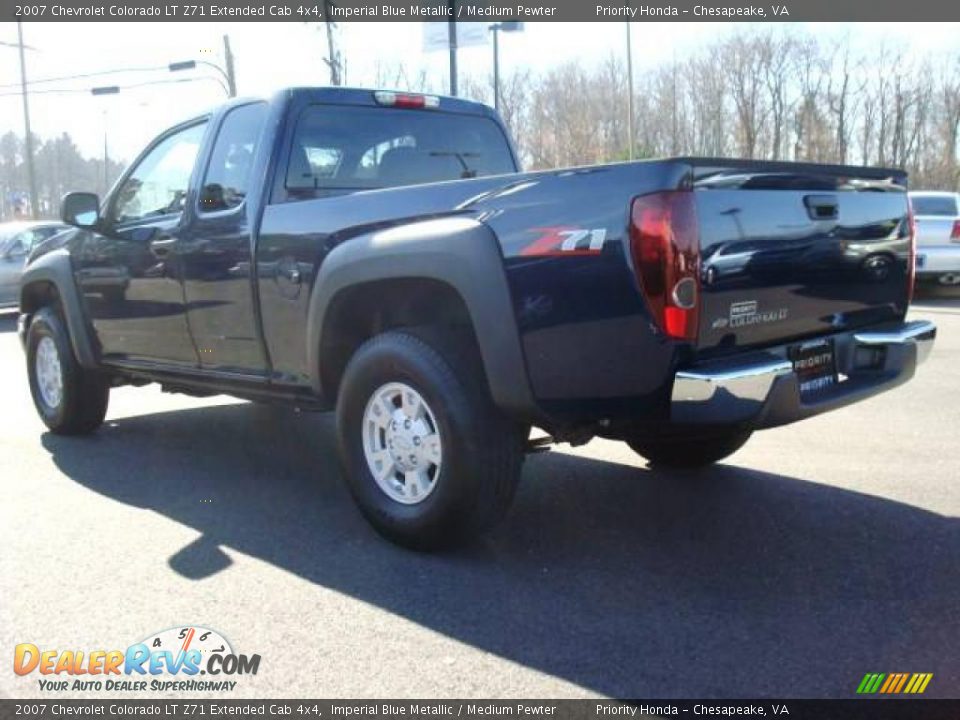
<point x="818" y="553"/>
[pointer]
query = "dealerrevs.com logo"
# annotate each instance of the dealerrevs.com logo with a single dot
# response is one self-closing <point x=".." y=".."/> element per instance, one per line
<point x="189" y="658"/>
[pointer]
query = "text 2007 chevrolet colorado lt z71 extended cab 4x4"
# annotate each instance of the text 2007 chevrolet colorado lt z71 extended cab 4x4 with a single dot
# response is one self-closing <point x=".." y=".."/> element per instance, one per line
<point x="380" y="253"/>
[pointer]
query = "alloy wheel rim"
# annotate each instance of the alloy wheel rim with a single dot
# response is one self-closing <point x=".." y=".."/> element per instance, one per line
<point x="402" y="444"/>
<point x="49" y="373"/>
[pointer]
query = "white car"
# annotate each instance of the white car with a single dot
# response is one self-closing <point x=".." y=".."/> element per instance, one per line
<point x="937" y="216"/>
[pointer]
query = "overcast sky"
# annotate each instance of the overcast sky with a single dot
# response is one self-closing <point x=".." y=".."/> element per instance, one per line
<point x="272" y="55"/>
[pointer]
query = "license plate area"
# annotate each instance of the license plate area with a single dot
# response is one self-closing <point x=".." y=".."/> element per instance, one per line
<point x="815" y="364"/>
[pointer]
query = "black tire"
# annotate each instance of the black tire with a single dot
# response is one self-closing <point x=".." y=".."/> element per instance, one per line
<point x="690" y="449"/>
<point x="482" y="451"/>
<point x="84" y="394"/>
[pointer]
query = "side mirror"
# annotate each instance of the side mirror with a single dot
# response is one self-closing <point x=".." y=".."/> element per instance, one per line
<point x="80" y="209"/>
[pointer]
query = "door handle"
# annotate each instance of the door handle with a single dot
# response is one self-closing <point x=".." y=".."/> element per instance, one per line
<point x="162" y="246"/>
<point x="289" y="270"/>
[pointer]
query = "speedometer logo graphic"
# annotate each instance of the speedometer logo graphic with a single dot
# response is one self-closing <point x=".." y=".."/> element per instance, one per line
<point x="180" y="640"/>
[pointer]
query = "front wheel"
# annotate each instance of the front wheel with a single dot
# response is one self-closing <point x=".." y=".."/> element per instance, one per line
<point x="428" y="458"/>
<point x="69" y="399"/>
<point x="689" y="449"/>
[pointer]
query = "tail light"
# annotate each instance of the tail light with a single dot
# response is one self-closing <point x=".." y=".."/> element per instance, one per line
<point x="912" y="254"/>
<point x="955" y="232"/>
<point x="666" y="257"/>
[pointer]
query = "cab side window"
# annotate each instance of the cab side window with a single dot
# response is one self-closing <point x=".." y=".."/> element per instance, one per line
<point x="158" y="185"/>
<point x="228" y="175"/>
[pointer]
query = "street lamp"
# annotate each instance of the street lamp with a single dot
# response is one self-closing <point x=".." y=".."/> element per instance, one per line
<point x="229" y="81"/>
<point x="495" y="29"/>
<point x="192" y="65"/>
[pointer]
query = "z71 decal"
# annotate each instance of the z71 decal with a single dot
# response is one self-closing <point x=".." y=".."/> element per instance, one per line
<point x="565" y="241"/>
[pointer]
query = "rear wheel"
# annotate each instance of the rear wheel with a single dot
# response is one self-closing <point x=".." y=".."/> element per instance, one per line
<point x="690" y="449"/>
<point x="69" y="399"/>
<point x="428" y="458"/>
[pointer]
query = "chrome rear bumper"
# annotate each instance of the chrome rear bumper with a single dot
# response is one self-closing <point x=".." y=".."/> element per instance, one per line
<point x="919" y="333"/>
<point x="762" y="390"/>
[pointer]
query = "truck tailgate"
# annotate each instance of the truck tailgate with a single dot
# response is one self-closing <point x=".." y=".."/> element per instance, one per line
<point x="794" y="251"/>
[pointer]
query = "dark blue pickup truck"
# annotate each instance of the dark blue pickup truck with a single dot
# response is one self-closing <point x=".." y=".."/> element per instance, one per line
<point x="379" y="253"/>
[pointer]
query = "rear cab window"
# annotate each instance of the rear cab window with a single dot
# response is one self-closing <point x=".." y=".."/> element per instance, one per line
<point x="339" y="149"/>
<point x="942" y="205"/>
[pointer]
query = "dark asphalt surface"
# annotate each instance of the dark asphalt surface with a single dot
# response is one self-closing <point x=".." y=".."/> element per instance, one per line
<point x="820" y="552"/>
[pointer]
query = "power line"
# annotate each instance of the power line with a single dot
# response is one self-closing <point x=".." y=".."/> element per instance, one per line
<point x="69" y="91"/>
<point x="15" y="45"/>
<point x="87" y="75"/>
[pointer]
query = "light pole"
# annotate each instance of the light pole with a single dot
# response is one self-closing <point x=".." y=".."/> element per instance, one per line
<point x="28" y="140"/>
<point x="452" y="39"/>
<point x="229" y="72"/>
<point x="108" y="90"/>
<point x="495" y="29"/>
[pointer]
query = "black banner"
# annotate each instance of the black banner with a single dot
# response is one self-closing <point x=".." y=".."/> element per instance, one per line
<point x="890" y="709"/>
<point x="480" y="10"/>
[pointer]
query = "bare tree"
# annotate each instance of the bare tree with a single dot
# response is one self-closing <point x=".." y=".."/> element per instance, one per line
<point x="744" y="72"/>
<point x="776" y="60"/>
<point x="841" y="97"/>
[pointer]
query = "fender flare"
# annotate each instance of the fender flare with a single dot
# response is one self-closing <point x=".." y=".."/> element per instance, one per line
<point x="458" y="251"/>
<point x="56" y="269"/>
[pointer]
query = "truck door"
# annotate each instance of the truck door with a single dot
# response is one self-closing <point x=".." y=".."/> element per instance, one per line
<point x="128" y="268"/>
<point x="215" y="250"/>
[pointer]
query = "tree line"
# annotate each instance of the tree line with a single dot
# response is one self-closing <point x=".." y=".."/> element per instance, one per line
<point x="59" y="167"/>
<point x="760" y="95"/>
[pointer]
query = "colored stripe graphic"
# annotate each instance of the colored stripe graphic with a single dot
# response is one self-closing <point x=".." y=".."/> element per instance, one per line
<point x="903" y="681"/>
<point x="894" y="683"/>
<point x="918" y="683"/>
<point x="870" y="683"/>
